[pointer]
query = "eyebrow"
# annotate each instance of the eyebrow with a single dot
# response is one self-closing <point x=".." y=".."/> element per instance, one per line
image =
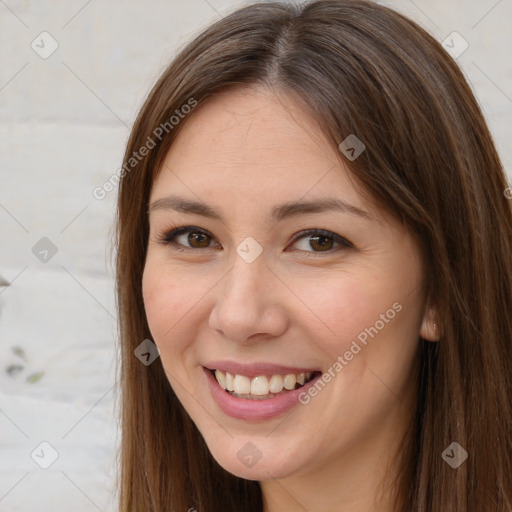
<point x="280" y="212"/>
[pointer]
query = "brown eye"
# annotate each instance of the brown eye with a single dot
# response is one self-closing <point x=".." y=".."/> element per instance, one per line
<point x="321" y="242"/>
<point x="198" y="239"/>
<point x="188" y="238"/>
<point x="317" y="241"/>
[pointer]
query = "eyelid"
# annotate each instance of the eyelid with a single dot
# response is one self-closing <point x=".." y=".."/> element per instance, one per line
<point x="322" y="232"/>
<point x="168" y="236"/>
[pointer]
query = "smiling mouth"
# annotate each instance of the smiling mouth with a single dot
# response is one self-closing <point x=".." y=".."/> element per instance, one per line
<point x="262" y="387"/>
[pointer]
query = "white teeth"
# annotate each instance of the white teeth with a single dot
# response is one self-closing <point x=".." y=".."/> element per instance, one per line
<point x="260" y="386"/>
<point x="230" y="386"/>
<point x="221" y="378"/>
<point x="242" y="385"/>
<point x="289" y="381"/>
<point x="276" y="384"/>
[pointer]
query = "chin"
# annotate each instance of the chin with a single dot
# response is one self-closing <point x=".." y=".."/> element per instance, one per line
<point x="256" y="458"/>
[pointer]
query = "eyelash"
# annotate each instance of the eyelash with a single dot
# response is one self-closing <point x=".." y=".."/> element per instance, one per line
<point x="167" y="238"/>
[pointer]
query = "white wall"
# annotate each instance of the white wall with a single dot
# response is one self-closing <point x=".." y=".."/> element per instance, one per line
<point x="64" y="121"/>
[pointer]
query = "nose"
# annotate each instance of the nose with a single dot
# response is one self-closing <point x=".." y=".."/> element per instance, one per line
<point x="248" y="306"/>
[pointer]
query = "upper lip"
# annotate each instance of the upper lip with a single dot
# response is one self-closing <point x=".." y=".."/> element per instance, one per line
<point x="256" y="369"/>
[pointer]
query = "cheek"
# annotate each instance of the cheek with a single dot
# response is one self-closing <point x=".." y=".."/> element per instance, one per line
<point x="167" y="299"/>
<point x="174" y="298"/>
<point x="341" y="309"/>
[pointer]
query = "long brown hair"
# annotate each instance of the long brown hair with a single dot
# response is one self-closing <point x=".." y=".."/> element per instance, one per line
<point x="361" y="69"/>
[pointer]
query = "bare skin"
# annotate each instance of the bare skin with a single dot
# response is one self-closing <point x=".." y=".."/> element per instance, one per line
<point x="300" y="303"/>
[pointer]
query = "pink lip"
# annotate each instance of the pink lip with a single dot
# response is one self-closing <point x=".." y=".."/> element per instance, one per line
<point x="255" y="369"/>
<point x="255" y="410"/>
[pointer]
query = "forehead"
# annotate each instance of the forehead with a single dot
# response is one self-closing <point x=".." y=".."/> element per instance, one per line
<point x="250" y="141"/>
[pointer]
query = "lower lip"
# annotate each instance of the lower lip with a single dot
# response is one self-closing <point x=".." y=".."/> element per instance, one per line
<point x="255" y="410"/>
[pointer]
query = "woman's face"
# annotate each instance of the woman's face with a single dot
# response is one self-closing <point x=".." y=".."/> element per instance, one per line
<point x="282" y="273"/>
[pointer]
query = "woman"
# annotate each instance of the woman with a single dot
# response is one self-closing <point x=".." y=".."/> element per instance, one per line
<point x="313" y="231"/>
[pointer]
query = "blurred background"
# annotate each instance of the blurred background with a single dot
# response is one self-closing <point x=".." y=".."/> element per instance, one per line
<point x="72" y="78"/>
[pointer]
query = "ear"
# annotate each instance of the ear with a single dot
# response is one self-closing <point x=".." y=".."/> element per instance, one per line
<point x="430" y="329"/>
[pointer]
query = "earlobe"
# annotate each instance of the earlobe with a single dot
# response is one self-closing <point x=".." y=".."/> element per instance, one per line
<point x="430" y="329"/>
